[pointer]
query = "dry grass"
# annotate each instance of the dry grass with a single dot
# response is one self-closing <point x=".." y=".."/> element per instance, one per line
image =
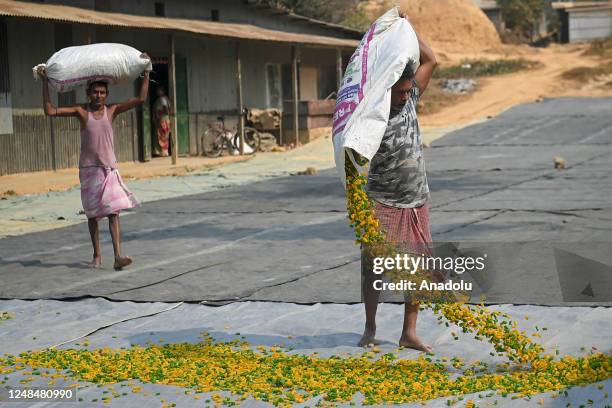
<point x="600" y="48"/>
<point x="585" y="74"/>
<point x="435" y="99"/>
<point x="479" y="68"/>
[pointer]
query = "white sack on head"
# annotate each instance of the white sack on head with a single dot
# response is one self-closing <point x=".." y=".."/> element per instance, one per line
<point x="363" y="104"/>
<point x="72" y="67"/>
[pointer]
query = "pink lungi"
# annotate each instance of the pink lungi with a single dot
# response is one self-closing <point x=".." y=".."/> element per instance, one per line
<point x="103" y="192"/>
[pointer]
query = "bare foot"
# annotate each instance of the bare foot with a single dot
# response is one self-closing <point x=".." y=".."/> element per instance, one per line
<point x="368" y="339"/>
<point x="95" y="263"/>
<point x="414" y="342"/>
<point x="122" y="262"/>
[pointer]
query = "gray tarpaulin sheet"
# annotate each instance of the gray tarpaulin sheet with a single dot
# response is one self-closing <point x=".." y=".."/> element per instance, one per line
<point x="327" y="329"/>
<point x="287" y="239"/>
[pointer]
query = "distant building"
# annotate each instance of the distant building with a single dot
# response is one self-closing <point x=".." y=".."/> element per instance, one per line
<point x="584" y="20"/>
<point x="493" y="11"/>
<point x="210" y="38"/>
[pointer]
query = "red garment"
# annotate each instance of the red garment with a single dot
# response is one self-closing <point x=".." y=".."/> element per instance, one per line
<point x="406" y="226"/>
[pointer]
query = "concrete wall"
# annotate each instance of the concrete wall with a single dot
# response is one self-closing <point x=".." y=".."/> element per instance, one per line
<point x="26" y="93"/>
<point x="589" y="25"/>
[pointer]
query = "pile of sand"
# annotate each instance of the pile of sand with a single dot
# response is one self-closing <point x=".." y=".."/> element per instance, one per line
<point x="447" y="25"/>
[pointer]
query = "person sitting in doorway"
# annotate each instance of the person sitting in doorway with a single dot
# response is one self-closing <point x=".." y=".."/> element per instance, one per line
<point x="161" y="117"/>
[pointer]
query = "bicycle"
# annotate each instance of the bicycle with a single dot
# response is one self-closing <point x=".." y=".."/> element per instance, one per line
<point x="218" y="138"/>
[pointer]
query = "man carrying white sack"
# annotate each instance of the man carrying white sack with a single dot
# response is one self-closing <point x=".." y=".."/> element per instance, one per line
<point x="398" y="185"/>
<point x="103" y="192"/>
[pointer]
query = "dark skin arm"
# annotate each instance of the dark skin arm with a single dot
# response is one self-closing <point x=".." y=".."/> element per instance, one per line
<point x="427" y="66"/>
<point x="133" y="102"/>
<point x="52" y="110"/>
<point x="427" y="59"/>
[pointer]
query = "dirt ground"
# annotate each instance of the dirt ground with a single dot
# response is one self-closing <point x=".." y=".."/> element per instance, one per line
<point x="492" y="96"/>
<point x="496" y="94"/>
<point x="48" y="181"/>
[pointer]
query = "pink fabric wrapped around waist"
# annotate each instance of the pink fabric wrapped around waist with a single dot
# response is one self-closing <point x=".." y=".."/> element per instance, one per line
<point x="103" y="192"/>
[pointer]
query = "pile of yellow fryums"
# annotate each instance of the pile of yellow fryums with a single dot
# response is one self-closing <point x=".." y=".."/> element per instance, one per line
<point x="275" y="375"/>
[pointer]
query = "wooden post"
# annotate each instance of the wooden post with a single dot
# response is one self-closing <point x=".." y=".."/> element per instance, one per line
<point x="172" y="80"/>
<point x="240" y="129"/>
<point x="295" y="53"/>
<point x="133" y="122"/>
<point x="53" y="145"/>
<point x="339" y="67"/>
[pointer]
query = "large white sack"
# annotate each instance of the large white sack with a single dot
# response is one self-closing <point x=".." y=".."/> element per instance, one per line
<point x="72" y="67"/>
<point x="363" y="104"/>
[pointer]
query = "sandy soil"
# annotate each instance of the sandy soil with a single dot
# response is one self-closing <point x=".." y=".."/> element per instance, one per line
<point x="47" y="181"/>
<point x="496" y="94"/>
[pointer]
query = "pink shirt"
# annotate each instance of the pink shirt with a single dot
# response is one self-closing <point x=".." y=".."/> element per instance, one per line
<point x="97" y="142"/>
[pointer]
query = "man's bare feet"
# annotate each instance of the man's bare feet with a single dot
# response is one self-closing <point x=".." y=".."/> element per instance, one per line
<point x="414" y="342"/>
<point x="95" y="263"/>
<point x="368" y="339"/>
<point x="122" y="262"/>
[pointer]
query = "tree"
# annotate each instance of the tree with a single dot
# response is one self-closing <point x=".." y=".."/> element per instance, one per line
<point x="344" y="12"/>
<point x="521" y="16"/>
<point x="317" y="9"/>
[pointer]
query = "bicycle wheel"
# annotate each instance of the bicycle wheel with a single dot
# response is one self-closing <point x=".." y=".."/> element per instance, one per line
<point x="251" y="138"/>
<point x="212" y="143"/>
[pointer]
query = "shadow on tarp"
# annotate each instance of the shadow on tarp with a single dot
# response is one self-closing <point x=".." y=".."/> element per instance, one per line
<point x="322" y="341"/>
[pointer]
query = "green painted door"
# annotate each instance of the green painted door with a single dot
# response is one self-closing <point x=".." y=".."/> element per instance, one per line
<point x="182" y="105"/>
<point x="145" y="131"/>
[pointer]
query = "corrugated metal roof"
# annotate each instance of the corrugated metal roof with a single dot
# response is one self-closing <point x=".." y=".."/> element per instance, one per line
<point x="487" y="4"/>
<point x="209" y="28"/>
<point x="275" y="9"/>
<point x="582" y="5"/>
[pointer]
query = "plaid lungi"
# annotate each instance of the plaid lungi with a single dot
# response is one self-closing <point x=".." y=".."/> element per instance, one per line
<point x="407" y="229"/>
<point x="103" y="192"/>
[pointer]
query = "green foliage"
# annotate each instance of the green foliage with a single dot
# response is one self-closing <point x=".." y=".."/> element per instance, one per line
<point x="5" y="316"/>
<point x="521" y="16"/>
<point x="343" y="12"/>
<point x="356" y="20"/>
<point x="477" y="68"/>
